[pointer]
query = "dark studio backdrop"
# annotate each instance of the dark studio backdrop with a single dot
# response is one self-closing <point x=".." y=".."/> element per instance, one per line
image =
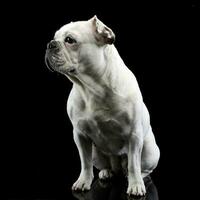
<point x="43" y="159"/>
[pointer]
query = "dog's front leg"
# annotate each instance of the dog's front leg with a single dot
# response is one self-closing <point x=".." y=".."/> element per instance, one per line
<point x="84" y="146"/>
<point x="135" y="181"/>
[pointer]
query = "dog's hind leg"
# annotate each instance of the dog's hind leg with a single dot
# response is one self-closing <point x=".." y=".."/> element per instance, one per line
<point x="150" y="154"/>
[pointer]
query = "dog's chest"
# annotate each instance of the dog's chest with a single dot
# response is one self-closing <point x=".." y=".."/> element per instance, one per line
<point x="108" y="133"/>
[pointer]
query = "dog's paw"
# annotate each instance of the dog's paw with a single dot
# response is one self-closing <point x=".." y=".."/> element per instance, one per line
<point x="82" y="184"/>
<point x="136" y="189"/>
<point x="105" y="174"/>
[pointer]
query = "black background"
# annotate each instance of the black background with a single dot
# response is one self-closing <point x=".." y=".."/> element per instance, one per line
<point x="43" y="161"/>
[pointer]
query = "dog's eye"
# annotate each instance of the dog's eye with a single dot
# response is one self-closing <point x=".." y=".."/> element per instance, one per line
<point x="70" y="40"/>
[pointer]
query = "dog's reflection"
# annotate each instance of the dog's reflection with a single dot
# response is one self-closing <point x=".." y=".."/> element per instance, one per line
<point x="116" y="190"/>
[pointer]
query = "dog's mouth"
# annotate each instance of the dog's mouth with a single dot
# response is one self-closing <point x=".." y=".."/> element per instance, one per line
<point x="53" y="61"/>
<point x="48" y="63"/>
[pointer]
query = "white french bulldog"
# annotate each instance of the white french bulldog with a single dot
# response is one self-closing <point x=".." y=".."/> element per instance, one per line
<point x="111" y="124"/>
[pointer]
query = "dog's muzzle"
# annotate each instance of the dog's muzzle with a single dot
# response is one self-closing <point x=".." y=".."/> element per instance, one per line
<point x="52" y="57"/>
<point x="53" y="45"/>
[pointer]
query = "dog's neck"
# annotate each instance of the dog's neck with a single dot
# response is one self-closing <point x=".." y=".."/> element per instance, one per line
<point x="109" y="78"/>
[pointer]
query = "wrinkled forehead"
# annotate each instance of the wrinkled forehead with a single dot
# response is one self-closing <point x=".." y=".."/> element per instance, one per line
<point x="81" y="28"/>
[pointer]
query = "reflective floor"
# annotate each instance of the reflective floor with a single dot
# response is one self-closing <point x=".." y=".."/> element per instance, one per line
<point x="116" y="190"/>
<point x="55" y="189"/>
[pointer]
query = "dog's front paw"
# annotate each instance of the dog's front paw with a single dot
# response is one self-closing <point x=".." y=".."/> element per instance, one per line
<point x="83" y="183"/>
<point x="105" y="174"/>
<point x="137" y="189"/>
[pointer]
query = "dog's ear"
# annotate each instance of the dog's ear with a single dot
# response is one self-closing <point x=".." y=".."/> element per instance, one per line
<point x="103" y="34"/>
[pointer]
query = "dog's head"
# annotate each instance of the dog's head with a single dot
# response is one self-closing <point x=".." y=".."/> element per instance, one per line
<point x="77" y="46"/>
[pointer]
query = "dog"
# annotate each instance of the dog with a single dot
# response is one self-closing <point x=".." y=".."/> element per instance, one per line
<point x="111" y="124"/>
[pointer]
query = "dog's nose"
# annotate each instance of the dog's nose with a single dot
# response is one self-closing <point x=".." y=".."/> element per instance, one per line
<point x="52" y="45"/>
